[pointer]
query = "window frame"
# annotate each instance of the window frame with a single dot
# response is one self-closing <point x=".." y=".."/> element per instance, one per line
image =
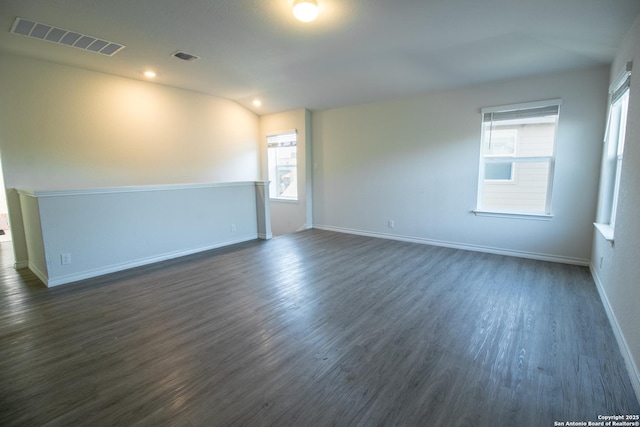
<point x="613" y="154"/>
<point x="620" y="141"/>
<point x="277" y="140"/>
<point x="515" y="109"/>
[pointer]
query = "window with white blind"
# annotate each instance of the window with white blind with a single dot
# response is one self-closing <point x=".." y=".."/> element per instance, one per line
<point x="283" y="165"/>
<point x="612" y="157"/>
<point x="517" y="158"/>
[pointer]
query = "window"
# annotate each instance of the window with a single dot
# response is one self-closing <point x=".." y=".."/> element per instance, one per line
<point x="612" y="159"/>
<point x="283" y="166"/>
<point x="517" y="158"/>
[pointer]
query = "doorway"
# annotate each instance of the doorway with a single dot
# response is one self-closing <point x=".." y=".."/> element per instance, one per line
<point x="6" y="248"/>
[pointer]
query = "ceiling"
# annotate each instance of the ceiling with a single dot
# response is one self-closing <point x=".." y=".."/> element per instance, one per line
<point x="357" y="51"/>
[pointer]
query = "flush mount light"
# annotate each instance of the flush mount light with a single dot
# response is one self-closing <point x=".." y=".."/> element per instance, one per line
<point x="305" y="10"/>
<point x="150" y="74"/>
<point x="257" y="102"/>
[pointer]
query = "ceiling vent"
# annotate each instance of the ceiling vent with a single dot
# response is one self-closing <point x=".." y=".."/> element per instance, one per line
<point x="37" y="30"/>
<point x="185" y="56"/>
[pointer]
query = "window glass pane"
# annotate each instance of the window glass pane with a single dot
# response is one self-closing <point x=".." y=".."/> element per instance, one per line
<point x="624" y="105"/>
<point x="499" y="141"/>
<point x="617" y="127"/>
<point x="286" y="172"/>
<point x="526" y="192"/>
<point x="283" y="167"/>
<point x="523" y="137"/>
<point x="500" y="171"/>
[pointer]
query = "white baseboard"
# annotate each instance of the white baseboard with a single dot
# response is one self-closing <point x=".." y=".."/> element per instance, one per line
<point x="464" y="246"/>
<point x="87" y="274"/>
<point x="40" y="274"/>
<point x="21" y="264"/>
<point x="632" y="368"/>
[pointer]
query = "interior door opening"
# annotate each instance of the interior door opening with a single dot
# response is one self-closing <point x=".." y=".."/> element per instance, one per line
<point x="6" y="248"/>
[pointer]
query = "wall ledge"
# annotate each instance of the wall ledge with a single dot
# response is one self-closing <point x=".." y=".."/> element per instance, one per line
<point x="132" y="189"/>
<point x="207" y="216"/>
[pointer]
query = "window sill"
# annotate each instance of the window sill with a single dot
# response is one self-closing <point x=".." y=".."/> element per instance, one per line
<point x="534" y="216"/>
<point x="606" y="230"/>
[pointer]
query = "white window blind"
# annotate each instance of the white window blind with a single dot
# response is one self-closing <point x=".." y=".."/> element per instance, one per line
<point x="286" y="139"/>
<point x="527" y="113"/>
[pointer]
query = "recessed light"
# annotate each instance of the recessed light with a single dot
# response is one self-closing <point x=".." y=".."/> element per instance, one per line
<point x="150" y="74"/>
<point x="257" y="102"/>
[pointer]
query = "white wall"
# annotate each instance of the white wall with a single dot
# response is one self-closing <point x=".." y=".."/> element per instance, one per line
<point x="290" y="216"/>
<point x="113" y="229"/>
<point x="67" y="128"/>
<point x="616" y="267"/>
<point x="3" y="199"/>
<point x="415" y="161"/>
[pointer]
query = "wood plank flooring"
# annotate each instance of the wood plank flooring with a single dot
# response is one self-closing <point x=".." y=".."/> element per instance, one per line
<point x="312" y="329"/>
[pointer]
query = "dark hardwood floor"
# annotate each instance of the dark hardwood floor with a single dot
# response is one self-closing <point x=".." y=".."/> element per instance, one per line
<point x="312" y="329"/>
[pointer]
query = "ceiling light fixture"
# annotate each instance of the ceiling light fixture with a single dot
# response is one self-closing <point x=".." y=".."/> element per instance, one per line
<point x="305" y="10"/>
<point x="150" y="74"/>
<point x="257" y="102"/>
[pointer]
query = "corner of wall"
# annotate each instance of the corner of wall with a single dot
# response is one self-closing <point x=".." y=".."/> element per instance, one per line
<point x="614" y="267"/>
<point x="17" y="229"/>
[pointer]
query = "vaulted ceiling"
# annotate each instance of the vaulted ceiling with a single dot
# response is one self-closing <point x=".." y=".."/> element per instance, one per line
<point x="357" y="51"/>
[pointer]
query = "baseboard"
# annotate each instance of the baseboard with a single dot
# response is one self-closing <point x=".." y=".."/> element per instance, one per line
<point x="88" y="274"/>
<point x="35" y="270"/>
<point x="632" y="368"/>
<point x="20" y="265"/>
<point x="464" y="246"/>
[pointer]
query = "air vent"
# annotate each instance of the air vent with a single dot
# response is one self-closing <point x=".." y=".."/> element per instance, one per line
<point x="37" y="30"/>
<point x="185" y="56"/>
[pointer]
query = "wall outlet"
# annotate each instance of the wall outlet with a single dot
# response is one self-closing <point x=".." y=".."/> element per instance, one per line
<point x="65" y="259"/>
<point x="233" y="227"/>
<point x="391" y="223"/>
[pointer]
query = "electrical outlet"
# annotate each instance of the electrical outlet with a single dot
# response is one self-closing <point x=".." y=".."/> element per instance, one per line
<point x="233" y="227"/>
<point x="65" y="259"/>
<point x="391" y="223"/>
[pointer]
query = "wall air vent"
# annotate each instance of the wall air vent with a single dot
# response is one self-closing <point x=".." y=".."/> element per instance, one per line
<point x="49" y="33"/>
<point x="185" y="56"/>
